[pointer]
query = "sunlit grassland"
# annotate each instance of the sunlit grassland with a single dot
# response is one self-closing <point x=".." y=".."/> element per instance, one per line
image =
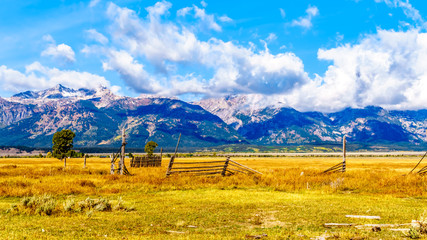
<point x="292" y="199"/>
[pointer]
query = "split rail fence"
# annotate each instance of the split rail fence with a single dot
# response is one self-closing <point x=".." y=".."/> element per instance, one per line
<point x="225" y="168"/>
<point x="146" y="161"/>
<point x="340" y="167"/>
<point x="423" y="170"/>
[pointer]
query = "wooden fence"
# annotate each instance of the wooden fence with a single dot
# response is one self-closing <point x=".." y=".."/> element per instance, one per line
<point x="145" y="161"/>
<point x="424" y="169"/>
<point x="223" y="167"/>
<point x="340" y="167"/>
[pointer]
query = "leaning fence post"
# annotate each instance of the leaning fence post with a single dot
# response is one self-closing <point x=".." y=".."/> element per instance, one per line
<point x="168" y="172"/>
<point x="224" y="170"/>
<point x="343" y="153"/>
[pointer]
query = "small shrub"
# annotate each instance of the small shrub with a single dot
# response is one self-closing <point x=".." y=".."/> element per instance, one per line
<point x="102" y="205"/>
<point x="121" y="206"/>
<point x="69" y="205"/>
<point x="43" y="205"/>
<point x="413" y="234"/>
<point x="25" y="201"/>
<point x="47" y="205"/>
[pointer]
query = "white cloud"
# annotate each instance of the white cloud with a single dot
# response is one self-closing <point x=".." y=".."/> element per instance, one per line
<point x="306" y="21"/>
<point x="225" y="18"/>
<point x="240" y="70"/>
<point x="207" y="19"/>
<point x="131" y="71"/>
<point x="38" y="77"/>
<point x="282" y="12"/>
<point x="407" y="8"/>
<point x="385" y="69"/>
<point x="166" y="46"/>
<point x="271" y="37"/>
<point x="61" y="52"/>
<point x="184" y="11"/>
<point x="159" y="9"/>
<point x="95" y="35"/>
<point x="203" y="3"/>
<point x="48" y="38"/>
<point x="93" y="3"/>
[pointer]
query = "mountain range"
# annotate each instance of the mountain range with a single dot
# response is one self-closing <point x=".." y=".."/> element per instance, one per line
<point x="97" y="116"/>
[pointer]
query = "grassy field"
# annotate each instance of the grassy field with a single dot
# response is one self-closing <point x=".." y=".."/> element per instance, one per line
<point x="291" y="200"/>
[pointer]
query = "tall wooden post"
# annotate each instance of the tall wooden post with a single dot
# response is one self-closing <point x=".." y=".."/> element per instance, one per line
<point x="122" y="157"/>
<point x="65" y="162"/>
<point x="84" y="164"/>
<point x="343" y="154"/>
<point x="112" y="164"/>
<point x="224" y="170"/>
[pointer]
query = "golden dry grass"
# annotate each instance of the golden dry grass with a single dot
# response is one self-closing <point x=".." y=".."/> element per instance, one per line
<point x="380" y="175"/>
<point x="291" y="200"/>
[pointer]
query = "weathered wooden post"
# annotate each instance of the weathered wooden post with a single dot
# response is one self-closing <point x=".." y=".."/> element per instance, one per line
<point x="84" y="164"/>
<point x="224" y="170"/>
<point x="122" y="157"/>
<point x="65" y="162"/>
<point x="173" y="157"/>
<point x="112" y="164"/>
<point x="343" y="153"/>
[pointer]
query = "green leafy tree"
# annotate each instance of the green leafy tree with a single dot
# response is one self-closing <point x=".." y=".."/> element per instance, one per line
<point x="62" y="143"/>
<point x="150" y="147"/>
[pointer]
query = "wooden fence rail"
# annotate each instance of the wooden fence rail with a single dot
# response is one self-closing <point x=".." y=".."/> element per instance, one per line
<point x="225" y="168"/>
<point x="146" y="161"/>
<point x="340" y="167"/>
<point x="423" y="170"/>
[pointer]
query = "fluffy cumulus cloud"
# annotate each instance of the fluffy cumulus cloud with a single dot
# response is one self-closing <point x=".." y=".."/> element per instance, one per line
<point x="165" y="47"/>
<point x="38" y="77"/>
<point x="131" y="71"/>
<point x="206" y="21"/>
<point x="386" y="69"/>
<point x="155" y="55"/>
<point x="60" y="52"/>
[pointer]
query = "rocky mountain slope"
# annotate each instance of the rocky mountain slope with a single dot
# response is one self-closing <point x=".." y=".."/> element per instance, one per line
<point x="279" y="125"/>
<point x="97" y="116"/>
<point x="31" y="119"/>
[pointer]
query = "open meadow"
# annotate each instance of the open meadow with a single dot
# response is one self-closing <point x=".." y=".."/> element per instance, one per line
<point x="291" y="200"/>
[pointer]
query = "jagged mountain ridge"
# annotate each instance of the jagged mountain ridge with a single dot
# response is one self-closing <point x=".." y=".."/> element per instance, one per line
<point x="31" y="118"/>
<point x="98" y="115"/>
<point x="276" y="124"/>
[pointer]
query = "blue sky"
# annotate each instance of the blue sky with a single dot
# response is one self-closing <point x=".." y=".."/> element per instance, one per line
<point x="310" y="55"/>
